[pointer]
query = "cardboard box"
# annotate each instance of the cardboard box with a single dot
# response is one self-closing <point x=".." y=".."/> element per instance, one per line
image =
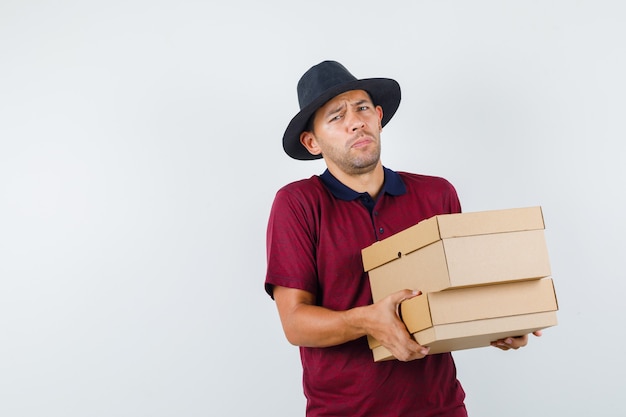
<point x="460" y="336"/>
<point x="460" y="250"/>
<point x="465" y="318"/>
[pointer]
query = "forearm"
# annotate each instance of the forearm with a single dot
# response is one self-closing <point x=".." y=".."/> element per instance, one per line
<point x="315" y="326"/>
<point x="309" y="325"/>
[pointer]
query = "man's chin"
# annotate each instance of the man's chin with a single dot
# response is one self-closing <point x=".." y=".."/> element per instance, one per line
<point x="364" y="166"/>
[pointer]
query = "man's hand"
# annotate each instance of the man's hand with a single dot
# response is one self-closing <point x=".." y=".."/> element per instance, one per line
<point x="513" y="342"/>
<point x="384" y="325"/>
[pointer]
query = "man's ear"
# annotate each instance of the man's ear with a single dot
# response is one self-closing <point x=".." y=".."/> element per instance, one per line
<point x="307" y="139"/>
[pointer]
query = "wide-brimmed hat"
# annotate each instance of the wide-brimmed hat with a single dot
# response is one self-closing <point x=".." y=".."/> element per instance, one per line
<point x="325" y="81"/>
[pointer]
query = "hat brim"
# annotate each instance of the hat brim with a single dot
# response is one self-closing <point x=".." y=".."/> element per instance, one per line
<point x="384" y="92"/>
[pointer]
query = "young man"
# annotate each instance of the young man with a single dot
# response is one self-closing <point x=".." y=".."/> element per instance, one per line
<point x="317" y="228"/>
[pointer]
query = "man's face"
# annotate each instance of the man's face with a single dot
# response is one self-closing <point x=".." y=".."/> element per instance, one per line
<point x="346" y="131"/>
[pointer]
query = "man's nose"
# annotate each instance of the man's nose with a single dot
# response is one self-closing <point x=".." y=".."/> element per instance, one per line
<point x="355" y="121"/>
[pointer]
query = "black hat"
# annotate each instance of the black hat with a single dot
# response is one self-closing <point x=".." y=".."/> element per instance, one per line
<point x="325" y="81"/>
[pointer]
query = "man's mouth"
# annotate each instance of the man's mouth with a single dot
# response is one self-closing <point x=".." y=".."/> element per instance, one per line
<point x="361" y="141"/>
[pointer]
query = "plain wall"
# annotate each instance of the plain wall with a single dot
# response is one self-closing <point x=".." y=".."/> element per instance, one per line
<point x="140" y="151"/>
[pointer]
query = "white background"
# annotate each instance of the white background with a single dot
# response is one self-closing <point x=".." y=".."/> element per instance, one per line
<point x="140" y="150"/>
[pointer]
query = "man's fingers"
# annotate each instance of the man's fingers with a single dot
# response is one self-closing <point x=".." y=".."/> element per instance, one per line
<point x="402" y="295"/>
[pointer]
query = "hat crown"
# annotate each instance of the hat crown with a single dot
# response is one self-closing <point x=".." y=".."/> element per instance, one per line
<point x="320" y="78"/>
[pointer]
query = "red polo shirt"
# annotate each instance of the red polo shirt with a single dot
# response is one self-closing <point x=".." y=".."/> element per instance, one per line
<point x="317" y="228"/>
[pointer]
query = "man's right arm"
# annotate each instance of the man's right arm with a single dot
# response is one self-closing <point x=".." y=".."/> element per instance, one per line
<point x="306" y="324"/>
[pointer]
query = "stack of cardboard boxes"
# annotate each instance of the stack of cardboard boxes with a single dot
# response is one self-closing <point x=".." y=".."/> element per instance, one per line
<point x="483" y="276"/>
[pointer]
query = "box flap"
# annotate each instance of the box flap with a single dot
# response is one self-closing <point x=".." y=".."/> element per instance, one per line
<point x="415" y="313"/>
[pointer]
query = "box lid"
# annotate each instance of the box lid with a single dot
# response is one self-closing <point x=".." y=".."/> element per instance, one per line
<point x="449" y="226"/>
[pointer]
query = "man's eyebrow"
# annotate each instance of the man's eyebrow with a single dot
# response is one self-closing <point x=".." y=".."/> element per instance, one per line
<point x="342" y="106"/>
<point x="362" y="101"/>
<point x="335" y="110"/>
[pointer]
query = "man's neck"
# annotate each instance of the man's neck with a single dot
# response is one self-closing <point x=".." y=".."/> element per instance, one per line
<point x="370" y="182"/>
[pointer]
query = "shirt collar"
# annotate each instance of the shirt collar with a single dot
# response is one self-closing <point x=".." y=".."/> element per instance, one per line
<point x="392" y="185"/>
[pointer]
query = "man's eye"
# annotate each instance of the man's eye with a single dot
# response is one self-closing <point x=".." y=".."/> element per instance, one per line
<point x="363" y="108"/>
